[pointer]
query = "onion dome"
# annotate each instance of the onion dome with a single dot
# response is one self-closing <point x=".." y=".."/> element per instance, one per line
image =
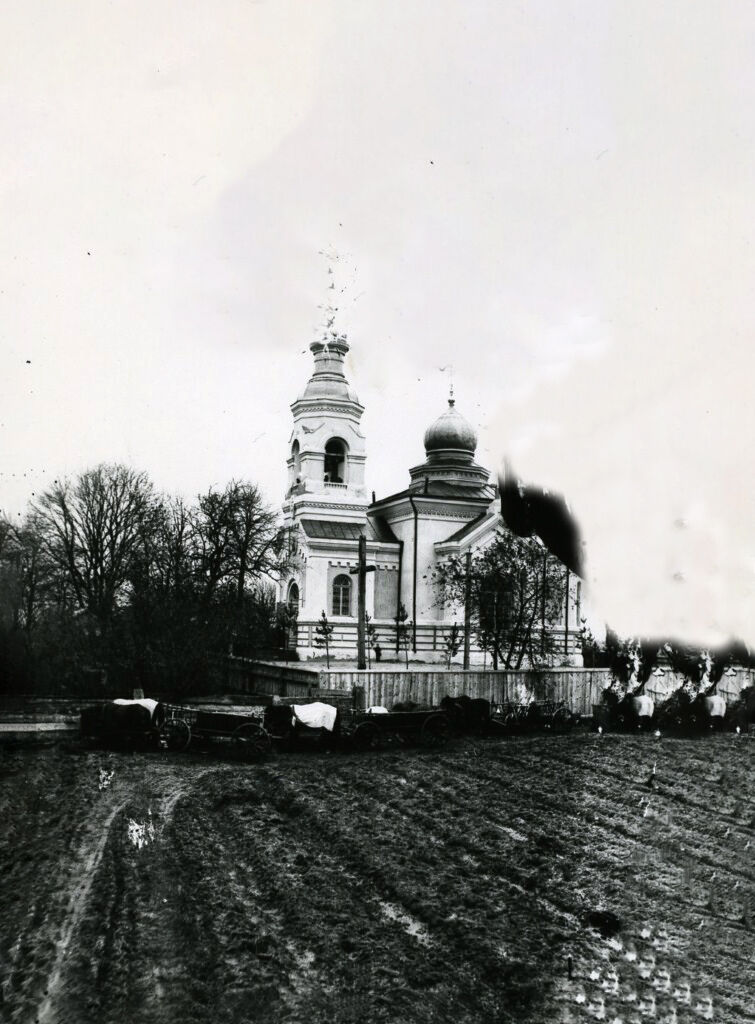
<point x="451" y="433"/>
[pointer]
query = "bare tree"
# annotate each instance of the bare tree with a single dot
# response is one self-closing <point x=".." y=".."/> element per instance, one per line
<point x="237" y="540"/>
<point x="104" y="576"/>
<point x="165" y="557"/>
<point x="91" y="530"/>
<point x="201" y="582"/>
<point x="255" y="537"/>
<point x="6" y="533"/>
<point x="10" y="573"/>
<point x="36" y="577"/>
<point x="26" y="574"/>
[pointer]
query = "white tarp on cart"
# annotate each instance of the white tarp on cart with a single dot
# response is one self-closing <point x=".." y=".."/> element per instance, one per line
<point x="145" y="702"/>
<point x="644" y="706"/>
<point x="315" y="716"/>
<point x="715" y="706"/>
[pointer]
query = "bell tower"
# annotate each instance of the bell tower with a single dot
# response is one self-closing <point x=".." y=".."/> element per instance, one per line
<point x="326" y="458"/>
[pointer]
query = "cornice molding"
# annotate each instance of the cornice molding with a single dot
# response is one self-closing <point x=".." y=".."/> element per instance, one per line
<point x="347" y="408"/>
<point x="331" y="506"/>
<point x="434" y="512"/>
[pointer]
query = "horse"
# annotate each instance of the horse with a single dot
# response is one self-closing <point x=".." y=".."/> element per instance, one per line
<point x="467" y="713"/>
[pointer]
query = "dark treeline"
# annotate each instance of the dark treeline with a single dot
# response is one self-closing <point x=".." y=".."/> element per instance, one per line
<point x="106" y="584"/>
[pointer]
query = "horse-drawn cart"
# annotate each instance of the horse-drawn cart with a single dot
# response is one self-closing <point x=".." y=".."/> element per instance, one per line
<point x="247" y="731"/>
<point x="244" y="732"/>
<point x="628" y="713"/>
<point x="689" y="713"/>
<point x="425" y="726"/>
<point x="535" y="716"/>
<point x="255" y="730"/>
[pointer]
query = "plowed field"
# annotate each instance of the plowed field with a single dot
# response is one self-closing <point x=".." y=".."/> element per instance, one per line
<point x="400" y="886"/>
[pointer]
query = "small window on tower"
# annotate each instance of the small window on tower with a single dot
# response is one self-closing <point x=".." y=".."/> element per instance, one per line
<point x="335" y="461"/>
<point x="296" y="458"/>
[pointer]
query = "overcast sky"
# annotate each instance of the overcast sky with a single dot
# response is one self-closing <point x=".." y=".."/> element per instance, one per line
<point x="558" y="198"/>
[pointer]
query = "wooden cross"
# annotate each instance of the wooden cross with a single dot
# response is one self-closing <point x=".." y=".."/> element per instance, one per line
<point x="361" y="572"/>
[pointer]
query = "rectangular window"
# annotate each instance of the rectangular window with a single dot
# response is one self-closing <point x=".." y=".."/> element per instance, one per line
<point x="341" y="595"/>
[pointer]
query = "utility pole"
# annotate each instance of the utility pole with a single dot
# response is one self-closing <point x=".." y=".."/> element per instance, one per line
<point x="467" y="607"/>
<point x="361" y="573"/>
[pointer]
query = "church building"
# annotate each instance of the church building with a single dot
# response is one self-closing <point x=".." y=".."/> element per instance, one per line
<point x="448" y="508"/>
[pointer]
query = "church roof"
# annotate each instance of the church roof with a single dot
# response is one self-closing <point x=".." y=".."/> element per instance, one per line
<point x="328" y="529"/>
<point x="382" y="530"/>
<point x="441" y="489"/>
<point x="470" y="527"/>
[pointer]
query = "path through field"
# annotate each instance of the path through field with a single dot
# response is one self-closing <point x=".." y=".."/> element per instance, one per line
<point x="545" y="879"/>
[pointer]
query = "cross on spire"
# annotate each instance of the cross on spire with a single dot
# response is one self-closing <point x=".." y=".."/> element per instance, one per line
<point x="450" y="370"/>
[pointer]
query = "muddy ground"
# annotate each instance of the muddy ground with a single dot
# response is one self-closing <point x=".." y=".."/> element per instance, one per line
<point x="397" y="886"/>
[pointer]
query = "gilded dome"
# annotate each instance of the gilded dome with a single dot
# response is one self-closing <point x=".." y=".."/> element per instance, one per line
<point x="451" y="432"/>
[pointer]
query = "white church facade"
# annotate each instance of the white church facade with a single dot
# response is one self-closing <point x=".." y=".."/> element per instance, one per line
<point x="449" y="507"/>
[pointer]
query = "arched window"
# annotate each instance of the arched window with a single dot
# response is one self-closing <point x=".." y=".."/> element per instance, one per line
<point x="293" y="598"/>
<point x="342" y="595"/>
<point x="335" y="461"/>
<point x="296" y="459"/>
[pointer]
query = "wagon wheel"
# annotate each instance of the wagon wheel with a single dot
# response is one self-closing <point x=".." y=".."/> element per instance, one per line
<point x="678" y="722"/>
<point x="155" y="738"/>
<point x="177" y="734"/>
<point x="366" y="736"/>
<point x="622" y="721"/>
<point x="510" y="721"/>
<point x="250" y="740"/>
<point x="668" y="717"/>
<point x="561" y="720"/>
<point x="738" y="720"/>
<point x="694" y="722"/>
<point x="435" y="731"/>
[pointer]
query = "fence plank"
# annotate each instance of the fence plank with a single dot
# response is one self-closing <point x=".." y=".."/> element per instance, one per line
<point x="578" y="688"/>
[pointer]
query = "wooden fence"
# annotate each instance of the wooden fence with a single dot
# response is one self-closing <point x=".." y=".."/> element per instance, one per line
<point x="276" y="678"/>
<point x="578" y="688"/>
